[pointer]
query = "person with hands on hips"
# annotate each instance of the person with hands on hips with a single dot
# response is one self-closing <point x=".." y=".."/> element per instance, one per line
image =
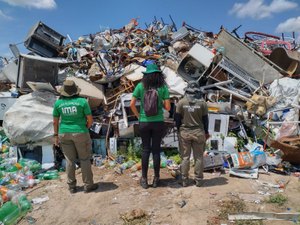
<point x="72" y="119"/>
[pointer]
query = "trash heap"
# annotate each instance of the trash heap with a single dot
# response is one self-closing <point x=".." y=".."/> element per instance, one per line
<point x="16" y="176"/>
<point x="250" y="85"/>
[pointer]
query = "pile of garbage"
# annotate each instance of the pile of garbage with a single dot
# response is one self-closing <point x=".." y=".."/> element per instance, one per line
<point x="250" y="85"/>
<point x="18" y="174"/>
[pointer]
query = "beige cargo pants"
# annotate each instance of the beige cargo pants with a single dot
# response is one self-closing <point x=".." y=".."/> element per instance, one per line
<point x="192" y="139"/>
<point x="77" y="146"/>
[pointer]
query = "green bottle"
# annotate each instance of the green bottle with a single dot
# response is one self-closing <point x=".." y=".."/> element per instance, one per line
<point x="9" y="213"/>
<point x="24" y="204"/>
<point x="51" y="175"/>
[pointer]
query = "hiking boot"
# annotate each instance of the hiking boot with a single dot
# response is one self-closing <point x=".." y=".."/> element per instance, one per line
<point x="185" y="183"/>
<point x="73" y="190"/>
<point x="155" y="182"/>
<point x="144" y="183"/>
<point x="90" y="188"/>
<point x="199" y="183"/>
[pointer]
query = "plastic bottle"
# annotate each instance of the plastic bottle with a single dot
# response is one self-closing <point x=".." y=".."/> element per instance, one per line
<point x="51" y="175"/>
<point x="24" y="204"/>
<point x="10" y="194"/>
<point x="23" y="181"/>
<point x="11" y="211"/>
<point x="32" y="164"/>
<point x="12" y="168"/>
<point x="163" y="160"/>
<point x="124" y="166"/>
<point x="130" y="163"/>
<point x="163" y="163"/>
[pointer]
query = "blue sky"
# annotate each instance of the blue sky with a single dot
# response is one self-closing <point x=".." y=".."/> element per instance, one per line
<point x="77" y="18"/>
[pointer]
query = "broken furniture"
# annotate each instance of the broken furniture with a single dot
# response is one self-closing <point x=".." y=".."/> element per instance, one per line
<point x="126" y="86"/>
<point x="288" y="60"/>
<point x="290" y="147"/>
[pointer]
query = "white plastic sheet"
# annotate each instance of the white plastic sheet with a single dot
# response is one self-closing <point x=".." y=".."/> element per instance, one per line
<point x="29" y="120"/>
<point x="286" y="91"/>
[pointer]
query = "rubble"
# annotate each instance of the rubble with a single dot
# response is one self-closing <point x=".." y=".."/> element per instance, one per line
<point x="251" y="92"/>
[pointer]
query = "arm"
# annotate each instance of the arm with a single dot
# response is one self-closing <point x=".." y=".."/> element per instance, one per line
<point x="88" y="114"/>
<point x="205" y="120"/>
<point x="167" y="104"/>
<point x="55" y="128"/>
<point x="178" y="122"/>
<point x="133" y="107"/>
<point x="89" y="119"/>
<point x="166" y="99"/>
<point x="178" y="115"/>
<point x="205" y="123"/>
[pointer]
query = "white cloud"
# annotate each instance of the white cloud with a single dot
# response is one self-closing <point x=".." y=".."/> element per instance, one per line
<point x="290" y="25"/>
<point x="258" y="9"/>
<point x="39" y="4"/>
<point x="4" y="16"/>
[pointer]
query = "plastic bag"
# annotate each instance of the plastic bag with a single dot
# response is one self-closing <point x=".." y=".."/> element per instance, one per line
<point x="259" y="157"/>
<point x="287" y="128"/>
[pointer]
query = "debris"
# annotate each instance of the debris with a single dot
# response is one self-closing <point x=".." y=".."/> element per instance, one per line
<point x="251" y="197"/>
<point x="182" y="203"/>
<point x="30" y="219"/>
<point x="135" y="214"/>
<point x="40" y="200"/>
<point x="264" y="216"/>
<point x="245" y="173"/>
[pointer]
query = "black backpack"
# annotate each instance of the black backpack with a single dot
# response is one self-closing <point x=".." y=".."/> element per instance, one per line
<point x="151" y="102"/>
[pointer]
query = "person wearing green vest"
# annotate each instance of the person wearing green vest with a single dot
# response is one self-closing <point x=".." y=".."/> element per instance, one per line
<point x="72" y="119"/>
<point x="151" y="128"/>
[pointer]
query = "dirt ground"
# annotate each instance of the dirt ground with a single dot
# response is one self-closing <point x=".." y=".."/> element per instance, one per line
<point x="118" y="195"/>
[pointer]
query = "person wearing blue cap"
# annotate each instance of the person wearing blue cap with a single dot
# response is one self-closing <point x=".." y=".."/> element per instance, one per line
<point x="151" y="122"/>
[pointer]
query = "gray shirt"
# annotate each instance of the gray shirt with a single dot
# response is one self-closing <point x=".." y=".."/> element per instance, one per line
<point x="192" y="112"/>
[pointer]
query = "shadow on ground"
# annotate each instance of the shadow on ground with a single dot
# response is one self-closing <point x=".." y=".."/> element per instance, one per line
<point x="173" y="183"/>
<point x="106" y="186"/>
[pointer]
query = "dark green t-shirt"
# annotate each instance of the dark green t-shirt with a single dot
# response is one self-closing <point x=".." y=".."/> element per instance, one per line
<point x="191" y="113"/>
<point x="73" y="112"/>
<point x="163" y="94"/>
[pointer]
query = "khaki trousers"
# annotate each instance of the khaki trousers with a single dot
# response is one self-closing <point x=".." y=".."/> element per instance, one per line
<point x="192" y="139"/>
<point x="77" y="146"/>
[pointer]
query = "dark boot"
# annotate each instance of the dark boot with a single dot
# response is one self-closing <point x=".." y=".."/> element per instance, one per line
<point x="155" y="182"/>
<point x="144" y="183"/>
<point x="185" y="182"/>
<point x="73" y="190"/>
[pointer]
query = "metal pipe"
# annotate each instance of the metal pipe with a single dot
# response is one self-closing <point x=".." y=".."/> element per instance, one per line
<point x="237" y="95"/>
<point x="216" y="84"/>
<point x="281" y="122"/>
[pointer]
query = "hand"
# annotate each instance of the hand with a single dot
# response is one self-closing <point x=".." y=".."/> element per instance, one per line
<point x="207" y="136"/>
<point x="56" y="142"/>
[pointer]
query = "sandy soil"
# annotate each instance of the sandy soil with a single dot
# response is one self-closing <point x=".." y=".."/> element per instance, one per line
<point x="118" y="195"/>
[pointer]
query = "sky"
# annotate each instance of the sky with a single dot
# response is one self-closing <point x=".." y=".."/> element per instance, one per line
<point x="77" y="18"/>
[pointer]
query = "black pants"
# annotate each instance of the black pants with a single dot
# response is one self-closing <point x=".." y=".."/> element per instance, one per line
<point x="151" y="134"/>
